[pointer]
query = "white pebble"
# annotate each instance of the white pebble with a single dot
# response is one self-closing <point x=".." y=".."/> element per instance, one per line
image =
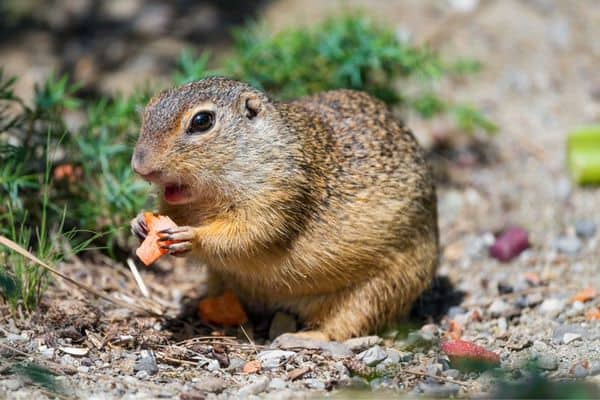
<point x="569" y="337"/>
<point x="552" y="307"/>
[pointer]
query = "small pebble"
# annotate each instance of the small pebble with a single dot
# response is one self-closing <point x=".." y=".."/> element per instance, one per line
<point x="567" y="245"/>
<point x="336" y="349"/>
<point x="407" y="356"/>
<point x="270" y="359"/>
<point x="580" y="369"/>
<point x="486" y="380"/>
<point x="362" y="343"/>
<point x="452" y="373"/>
<point x="46" y="352"/>
<point x="510" y="244"/>
<point x="142" y="375"/>
<point x="254" y="388"/>
<point x="502" y="325"/>
<point x="355" y="382"/>
<point x="434" y="369"/>
<point x="430" y="331"/>
<point x="83" y="369"/>
<point x="146" y="362"/>
<point x="455" y="310"/>
<point x="552" y="307"/>
<point x="372" y="356"/>
<point x="585" y="229"/>
<point x="382" y="383"/>
<point x="236" y="363"/>
<point x="87" y="362"/>
<point x="393" y="356"/>
<point x="314" y="384"/>
<point x="444" y="361"/>
<point x="569" y="337"/>
<point x="66" y="360"/>
<point x="563" y="189"/>
<point x="547" y="361"/>
<point x="421" y="339"/>
<point x="213" y="365"/>
<point x="498" y="307"/>
<point x="12" y="384"/>
<point x="14" y="338"/>
<point x="578" y="306"/>
<point x="439" y="390"/>
<point x="341" y="368"/>
<point x="595" y="367"/>
<point x="277" y="384"/>
<point x="505" y="288"/>
<point x="212" y="384"/>
<point x="560" y="331"/>
<point x="534" y="299"/>
<point x="464" y="6"/>
<point x="539" y="346"/>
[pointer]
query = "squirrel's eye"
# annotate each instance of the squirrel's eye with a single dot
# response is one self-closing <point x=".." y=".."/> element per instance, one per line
<point x="201" y="122"/>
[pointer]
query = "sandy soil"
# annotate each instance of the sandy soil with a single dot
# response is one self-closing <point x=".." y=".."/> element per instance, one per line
<point x="540" y="80"/>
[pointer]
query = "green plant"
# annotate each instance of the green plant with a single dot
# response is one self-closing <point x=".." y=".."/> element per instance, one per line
<point x="111" y="195"/>
<point x="38" y="376"/>
<point x="31" y="213"/>
<point x="22" y="281"/>
<point x="350" y="51"/>
<point x="55" y="179"/>
<point x="97" y="185"/>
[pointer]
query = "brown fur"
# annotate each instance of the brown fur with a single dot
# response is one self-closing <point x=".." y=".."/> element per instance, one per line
<point x="323" y="206"/>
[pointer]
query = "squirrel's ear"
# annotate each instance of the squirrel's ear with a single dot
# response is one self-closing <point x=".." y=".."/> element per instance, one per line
<point x="251" y="105"/>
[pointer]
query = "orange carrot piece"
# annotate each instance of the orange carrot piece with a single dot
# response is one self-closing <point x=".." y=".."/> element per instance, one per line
<point x="455" y="330"/>
<point x="593" y="314"/>
<point x="150" y="250"/>
<point x="225" y="310"/>
<point x="252" y="367"/>
<point x="584" y="295"/>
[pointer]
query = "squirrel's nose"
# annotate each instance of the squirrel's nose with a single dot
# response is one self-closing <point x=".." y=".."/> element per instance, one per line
<point x="143" y="168"/>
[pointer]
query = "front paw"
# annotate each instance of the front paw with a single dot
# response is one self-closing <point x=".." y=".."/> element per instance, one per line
<point x="177" y="241"/>
<point x="139" y="227"/>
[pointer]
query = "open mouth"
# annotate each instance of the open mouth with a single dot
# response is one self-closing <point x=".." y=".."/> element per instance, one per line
<point x="177" y="194"/>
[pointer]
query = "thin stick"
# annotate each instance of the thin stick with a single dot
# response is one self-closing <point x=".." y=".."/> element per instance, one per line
<point x="250" y="340"/>
<point x="14" y="246"/>
<point x="138" y="278"/>
<point x="175" y="360"/>
<point x="55" y="367"/>
<point x="441" y="378"/>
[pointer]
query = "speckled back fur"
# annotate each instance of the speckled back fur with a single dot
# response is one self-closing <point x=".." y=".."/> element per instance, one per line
<point x="329" y="211"/>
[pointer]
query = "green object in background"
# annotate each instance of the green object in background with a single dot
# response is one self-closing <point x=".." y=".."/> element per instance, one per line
<point x="583" y="155"/>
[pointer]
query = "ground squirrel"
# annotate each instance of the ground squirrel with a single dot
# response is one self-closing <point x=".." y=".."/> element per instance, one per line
<point x="323" y="206"/>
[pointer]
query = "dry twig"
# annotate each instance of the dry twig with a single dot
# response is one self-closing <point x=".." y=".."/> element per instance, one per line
<point x="15" y="247"/>
<point x="424" y="374"/>
<point x="138" y="278"/>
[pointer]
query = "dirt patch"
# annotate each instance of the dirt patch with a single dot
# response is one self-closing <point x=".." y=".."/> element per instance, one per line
<point x="539" y="81"/>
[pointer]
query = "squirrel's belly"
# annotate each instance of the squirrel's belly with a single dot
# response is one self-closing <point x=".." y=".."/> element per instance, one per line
<point x="282" y="278"/>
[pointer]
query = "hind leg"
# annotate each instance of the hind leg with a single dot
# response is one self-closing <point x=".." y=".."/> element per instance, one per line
<point x="376" y="302"/>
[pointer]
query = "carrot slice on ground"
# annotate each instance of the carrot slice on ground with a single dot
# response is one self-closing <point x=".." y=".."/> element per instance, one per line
<point x="150" y="250"/>
<point x="223" y="310"/>
<point x="584" y="295"/>
<point x="252" y="367"/>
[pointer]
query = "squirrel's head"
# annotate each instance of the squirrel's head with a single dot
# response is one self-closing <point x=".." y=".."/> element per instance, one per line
<point x="212" y="138"/>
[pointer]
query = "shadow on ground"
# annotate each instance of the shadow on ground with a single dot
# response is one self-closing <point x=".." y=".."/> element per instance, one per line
<point x="434" y="303"/>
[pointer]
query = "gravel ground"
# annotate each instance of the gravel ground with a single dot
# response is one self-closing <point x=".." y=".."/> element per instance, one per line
<point x="540" y="80"/>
